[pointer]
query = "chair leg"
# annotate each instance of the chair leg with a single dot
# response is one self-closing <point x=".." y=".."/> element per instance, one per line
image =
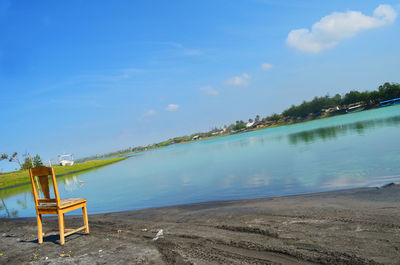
<point x="61" y="227"/>
<point x="40" y="229"/>
<point x="85" y="219"/>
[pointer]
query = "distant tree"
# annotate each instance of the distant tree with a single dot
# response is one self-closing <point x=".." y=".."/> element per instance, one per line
<point x="352" y="97"/>
<point x="374" y="97"/>
<point x="37" y="161"/>
<point x="274" y="117"/>
<point x="239" y="126"/>
<point x="250" y="120"/>
<point x="257" y="118"/>
<point x="3" y="156"/>
<point x="27" y="163"/>
<point x="389" y="91"/>
<point x="11" y="158"/>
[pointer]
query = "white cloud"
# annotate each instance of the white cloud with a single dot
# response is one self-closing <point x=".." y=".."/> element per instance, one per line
<point x="331" y="29"/>
<point x="181" y="50"/>
<point x="189" y="52"/>
<point x="150" y="113"/>
<point x="242" y="80"/>
<point x="266" y="66"/>
<point x="209" y="91"/>
<point x="172" y="107"/>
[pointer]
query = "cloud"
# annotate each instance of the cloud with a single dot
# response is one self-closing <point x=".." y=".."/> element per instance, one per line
<point x="209" y="91"/>
<point x="266" y="66"/>
<point x="177" y="49"/>
<point x="182" y="50"/>
<point x="331" y="29"/>
<point x="242" y="80"/>
<point x="172" y="107"/>
<point x="189" y="52"/>
<point x="123" y="74"/>
<point x="150" y="113"/>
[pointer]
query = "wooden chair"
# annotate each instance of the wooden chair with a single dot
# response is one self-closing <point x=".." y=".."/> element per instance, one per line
<point x="54" y="205"/>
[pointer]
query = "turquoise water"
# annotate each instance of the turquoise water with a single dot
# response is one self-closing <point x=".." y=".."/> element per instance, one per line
<point x="353" y="150"/>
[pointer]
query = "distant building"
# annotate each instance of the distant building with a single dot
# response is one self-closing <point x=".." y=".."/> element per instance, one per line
<point x="250" y="124"/>
<point x="196" y="137"/>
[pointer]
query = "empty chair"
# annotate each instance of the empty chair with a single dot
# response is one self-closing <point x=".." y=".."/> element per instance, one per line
<point x="55" y="205"/>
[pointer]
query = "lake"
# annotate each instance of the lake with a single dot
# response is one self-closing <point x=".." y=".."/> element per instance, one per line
<point x="354" y="150"/>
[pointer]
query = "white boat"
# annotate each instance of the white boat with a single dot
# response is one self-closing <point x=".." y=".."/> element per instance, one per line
<point x="355" y="108"/>
<point x="66" y="160"/>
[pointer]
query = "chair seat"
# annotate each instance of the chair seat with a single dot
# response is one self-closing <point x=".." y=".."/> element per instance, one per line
<point x="64" y="203"/>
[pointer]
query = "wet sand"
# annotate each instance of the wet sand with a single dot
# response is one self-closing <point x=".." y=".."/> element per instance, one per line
<point x="358" y="226"/>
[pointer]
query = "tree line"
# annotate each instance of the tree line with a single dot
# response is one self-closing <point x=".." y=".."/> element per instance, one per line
<point x="318" y="104"/>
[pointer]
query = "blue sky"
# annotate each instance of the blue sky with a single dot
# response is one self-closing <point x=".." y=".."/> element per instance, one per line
<point x="87" y="77"/>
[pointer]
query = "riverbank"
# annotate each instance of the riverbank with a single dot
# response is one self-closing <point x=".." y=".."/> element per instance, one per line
<point x="259" y="125"/>
<point x="19" y="178"/>
<point x="358" y="226"/>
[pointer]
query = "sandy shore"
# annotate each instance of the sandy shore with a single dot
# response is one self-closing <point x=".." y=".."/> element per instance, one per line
<point x="359" y="226"/>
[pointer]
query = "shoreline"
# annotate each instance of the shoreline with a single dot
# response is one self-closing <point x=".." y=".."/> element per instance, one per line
<point x="277" y="124"/>
<point x="63" y="175"/>
<point x="352" y="226"/>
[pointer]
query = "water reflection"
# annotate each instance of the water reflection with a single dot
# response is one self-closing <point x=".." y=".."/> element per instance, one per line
<point x="23" y="203"/>
<point x="352" y="181"/>
<point x="13" y="208"/>
<point x="72" y="184"/>
<point x="328" y="133"/>
<point x="4" y="211"/>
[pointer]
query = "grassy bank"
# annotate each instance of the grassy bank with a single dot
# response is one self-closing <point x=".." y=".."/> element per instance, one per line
<point x="22" y="177"/>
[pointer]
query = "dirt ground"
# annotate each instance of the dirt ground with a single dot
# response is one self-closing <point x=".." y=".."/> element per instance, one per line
<point x="359" y="226"/>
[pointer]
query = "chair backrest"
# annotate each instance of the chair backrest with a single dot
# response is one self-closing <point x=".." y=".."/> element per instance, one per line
<point x="43" y="173"/>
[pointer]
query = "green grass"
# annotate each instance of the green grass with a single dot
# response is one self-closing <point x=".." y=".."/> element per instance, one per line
<point x="20" y="177"/>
